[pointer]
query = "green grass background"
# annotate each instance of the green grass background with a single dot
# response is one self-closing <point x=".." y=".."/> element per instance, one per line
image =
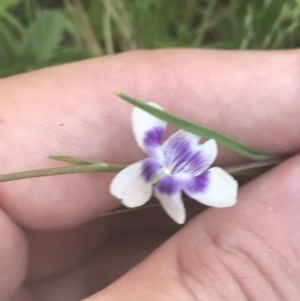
<point x="39" y="33"/>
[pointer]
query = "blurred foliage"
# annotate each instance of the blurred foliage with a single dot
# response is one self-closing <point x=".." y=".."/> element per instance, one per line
<point x="39" y="33"/>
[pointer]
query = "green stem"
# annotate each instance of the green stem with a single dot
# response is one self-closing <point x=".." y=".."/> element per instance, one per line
<point x="61" y="171"/>
<point x="28" y="11"/>
<point x="253" y="165"/>
<point x="107" y="167"/>
<point x="204" y="24"/>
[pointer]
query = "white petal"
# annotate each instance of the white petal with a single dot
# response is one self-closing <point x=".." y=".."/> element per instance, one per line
<point x="209" y="152"/>
<point x="137" y="193"/>
<point x="219" y="191"/>
<point x="182" y="151"/>
<point x="194" y="139"/>
<point x="172" y="143"/>
<point x="173" y="205"/>
<point x="143" y="123"/>
<point x="124" y="178"/>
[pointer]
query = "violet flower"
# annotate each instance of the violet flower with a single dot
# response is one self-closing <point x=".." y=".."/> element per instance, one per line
<point x="179" y="164"/>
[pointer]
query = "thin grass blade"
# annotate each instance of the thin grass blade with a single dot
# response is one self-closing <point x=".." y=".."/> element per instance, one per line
<point x="198" y="130"/>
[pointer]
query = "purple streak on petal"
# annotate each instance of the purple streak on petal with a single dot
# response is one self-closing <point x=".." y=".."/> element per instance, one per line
<point x="198" y="184"/>
<point x="185" y="157"/>
<point x="150" y="169"/>
<point x="152" y="140"/>
<point x="168" y="185"/>
<point x="153" y="137"/>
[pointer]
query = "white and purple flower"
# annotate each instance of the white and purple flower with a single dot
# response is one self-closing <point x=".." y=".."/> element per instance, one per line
<point x="179" y="164"/>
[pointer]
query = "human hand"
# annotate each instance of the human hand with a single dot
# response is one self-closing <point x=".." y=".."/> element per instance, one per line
<point x="52" y="246"/>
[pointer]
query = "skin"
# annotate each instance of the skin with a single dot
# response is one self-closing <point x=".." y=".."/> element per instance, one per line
<point x="53" y="247"/>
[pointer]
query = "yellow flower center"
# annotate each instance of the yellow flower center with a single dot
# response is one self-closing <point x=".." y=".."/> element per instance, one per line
<point x="168" y="170"/>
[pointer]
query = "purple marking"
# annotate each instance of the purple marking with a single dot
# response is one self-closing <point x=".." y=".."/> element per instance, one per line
<point x="153" y="137"/>
<point x="150" y="169"/>
<point x="179" y="153"/>
<point x="198" y="184"/>
<point x="168" y="185"/>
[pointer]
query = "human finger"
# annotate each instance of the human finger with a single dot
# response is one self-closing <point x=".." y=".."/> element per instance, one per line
<point x="72" y="110"/>
<point x="247" y="252"/>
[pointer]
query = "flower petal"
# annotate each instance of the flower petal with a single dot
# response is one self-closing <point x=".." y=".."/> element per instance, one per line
<point x="168" y="192"/>
<point x="148" y="130"/>
<point x="150" y="168"/>
<point x="208" y="152"/>
<point x="168" y="185"/>
<point x="124" y="178"/>
<point x="137" y="193"/>
<point x="214" y="187"/>
<point x="133" y="185"/>
<point x="182" y="152"/>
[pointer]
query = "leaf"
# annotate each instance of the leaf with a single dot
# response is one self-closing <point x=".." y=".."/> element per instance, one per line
<point x="9" y="42"/>
<point x="44" y="35"/>
<point x="13" y="22"/>
<point x="197" y="129"/>
<point x="9" y="52"/>
<point x="6" y="4"/>
<point x="71" y="160"/>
